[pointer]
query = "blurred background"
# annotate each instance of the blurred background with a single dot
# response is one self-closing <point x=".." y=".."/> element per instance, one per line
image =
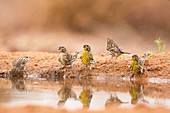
<point x="43" y="25"/>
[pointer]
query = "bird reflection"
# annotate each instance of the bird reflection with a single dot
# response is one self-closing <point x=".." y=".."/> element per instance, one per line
<point x="85" y="97"/>
<point x="64" y="93"/>
<point x="136" y="92"/>
<point x="113" y="101"/>
<point x="18" y="84"/>
<point x="18" y="73"/>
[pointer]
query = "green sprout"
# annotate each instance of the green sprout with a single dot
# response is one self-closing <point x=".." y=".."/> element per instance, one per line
<point x="160" y="44"/>
<point x="150" y="52"/>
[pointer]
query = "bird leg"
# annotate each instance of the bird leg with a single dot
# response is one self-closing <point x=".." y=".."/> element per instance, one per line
<point x="91" y="67"/>
<point x="132" y="76"/>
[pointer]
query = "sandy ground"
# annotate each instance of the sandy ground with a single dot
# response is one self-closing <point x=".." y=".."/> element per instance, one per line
<point x="45" y="64"/>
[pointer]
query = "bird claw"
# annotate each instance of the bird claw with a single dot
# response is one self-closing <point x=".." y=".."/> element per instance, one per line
<point x="91" y="67"/>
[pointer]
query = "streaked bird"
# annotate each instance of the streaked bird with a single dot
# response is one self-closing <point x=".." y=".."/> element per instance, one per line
<point x="66" y="58"/>
<point x="87" y="57"/>
<point x="20" y="63"/>
<point x="113" y="101"/>
<point x="65" y="93"/>
<point x="18" y="84"/>
<point x="19" y="66"/>
<point x="114" y="49"/>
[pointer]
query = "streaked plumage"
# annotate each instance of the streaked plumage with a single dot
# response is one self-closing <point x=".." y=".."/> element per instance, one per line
<point x="65" y="58"/>
<point x="18" y="84"/>
<point x="113" y="100"/>
<point x="65" y="93"/>
<point x="87" y="57"/>
<point x="114" y="49"/>
<point x="19" y="66"/>
<point x="20" y="63"/>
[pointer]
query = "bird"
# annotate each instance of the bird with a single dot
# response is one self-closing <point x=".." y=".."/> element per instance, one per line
<point x="87" y="57"/>
<point x="20" y="63"/>
<point x="114" y="49"/>
<point x="19" y="66"/>
<point x="66" y="58"/>
<point x="136" y="92"/>
<point x="64" y="93"/>
<point x="137" y="65"/>
<point x="86" y="97"/>
<point x="113" y="100"/>
<point x="18" y="84"/>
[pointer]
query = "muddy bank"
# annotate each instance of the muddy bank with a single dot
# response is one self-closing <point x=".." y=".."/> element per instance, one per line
<point x="45" y="64"/>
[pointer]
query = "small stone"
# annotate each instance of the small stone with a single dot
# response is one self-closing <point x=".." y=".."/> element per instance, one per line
<point x="36" y="64"/>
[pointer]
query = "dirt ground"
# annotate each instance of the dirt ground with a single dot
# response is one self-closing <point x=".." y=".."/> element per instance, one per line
<point x="44" y="64"/>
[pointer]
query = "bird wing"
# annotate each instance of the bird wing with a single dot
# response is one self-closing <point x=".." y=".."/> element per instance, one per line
<point x="113" y="47"/>
<point x="142" y="61"/>
<point x="74" y="56"/>
<point x="90" y="58"/>
<point x="17" y="62"/>
<point x="14" y="63"/>
<point x="73" y="94"/>
<point x="66" y="58"/>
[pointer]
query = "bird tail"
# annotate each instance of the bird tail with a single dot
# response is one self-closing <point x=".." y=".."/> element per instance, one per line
<point x="74" y="56"/>
<point x="125" y="52"/>
<point x="145" y="55"/>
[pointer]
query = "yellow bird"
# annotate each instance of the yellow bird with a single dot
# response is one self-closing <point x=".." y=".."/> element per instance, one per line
<point x="136" y="93"/>
<point x="137" y="65"/>
<point x="85" y="98"/>
<point x="87" y="57"/>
